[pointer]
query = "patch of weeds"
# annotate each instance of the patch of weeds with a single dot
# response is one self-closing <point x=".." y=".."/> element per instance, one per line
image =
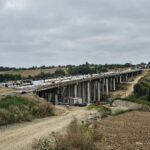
<point x="118" y="112"/>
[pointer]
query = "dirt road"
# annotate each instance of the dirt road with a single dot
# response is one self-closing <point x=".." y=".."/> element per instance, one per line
<point x="130" y="88"/>
<point x="20" y="137"/>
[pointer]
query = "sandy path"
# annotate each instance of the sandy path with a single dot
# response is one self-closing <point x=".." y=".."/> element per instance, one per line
<point x="130" y="88"/>
<point x="18" y="137"/>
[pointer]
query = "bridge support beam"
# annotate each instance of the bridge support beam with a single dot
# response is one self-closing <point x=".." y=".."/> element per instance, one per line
<point x="103" y="86"/>
<point x="111" y="84"/>
<point x="89" y="92"/>
<point x="75" y="90"/>
<point x="69" y="90"/>
<point x="94" y="90"/>
<point x="56" y="99"/>
<point x="83" y="92"/>
<point x="107" y="89"/>
<point x="120" y="79"/>
<point x="126" y="77"/>
<point x="49" y="97"/>
<point x="114" y="84"/>
<point x="99" y="90"/>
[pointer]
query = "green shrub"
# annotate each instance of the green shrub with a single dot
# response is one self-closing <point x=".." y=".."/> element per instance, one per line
<point x="35" y="111"/>
<point x="14" y="100"/>
<point x="101" y="109"/>
<point x="133" y="99"/>
<point x="17" y="109"/>
<point x="142" y="89"/>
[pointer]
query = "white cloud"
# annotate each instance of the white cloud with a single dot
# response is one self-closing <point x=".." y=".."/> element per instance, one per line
<point x="16" y="4"/>
<point x="38" y="32"/>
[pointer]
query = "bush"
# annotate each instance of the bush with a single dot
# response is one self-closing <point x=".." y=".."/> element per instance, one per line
<point x="15" y="109"/>
<point x="4" y="116"/>
<point x="7" y="101"/>
<point x="101" y="109"/>
<point x="77" y="137"/>
<point x="45" y="109"/>
<point x="142" y="89"/>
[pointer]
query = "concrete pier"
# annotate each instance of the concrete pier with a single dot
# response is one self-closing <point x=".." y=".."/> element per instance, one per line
<point x="99" y="90"/>
<point x="89" y="92"/>
<point x="75" y="90"/>
<point x="107" y="89"/>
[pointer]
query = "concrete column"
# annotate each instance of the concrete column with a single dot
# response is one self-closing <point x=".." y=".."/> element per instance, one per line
<point x="56" y="99"/>
<point x="46" y="94"/>
<point x="49" y="97"/>
<point x="126" y="77"/>
<point x="99" y="90"/>
<point x="69" y="91"/>
<point x="107" y="89"/>
<point x="114" y="84"/>
<point x="123" y="78"/>
<point x="75" y="90"/>
<point x="83" y="92"/>
<point x="103" y="86"/>
<point x="120" y="79"/>
<point x="89" y="92"/>
<point x="94" y="90"/>
<point x="79" y="94"/>
<point x="110" y="84"/>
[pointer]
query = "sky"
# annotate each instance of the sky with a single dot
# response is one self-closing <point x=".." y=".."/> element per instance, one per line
<point x="61" y="32"/>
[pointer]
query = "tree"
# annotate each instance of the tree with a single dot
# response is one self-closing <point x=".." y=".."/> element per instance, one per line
<point x="59" y="73"/>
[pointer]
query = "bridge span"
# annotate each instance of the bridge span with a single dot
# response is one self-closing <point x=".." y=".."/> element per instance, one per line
<point x="88" y="87"/>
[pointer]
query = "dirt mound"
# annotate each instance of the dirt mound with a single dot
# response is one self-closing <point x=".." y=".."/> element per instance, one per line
<point x="126" y="104"/>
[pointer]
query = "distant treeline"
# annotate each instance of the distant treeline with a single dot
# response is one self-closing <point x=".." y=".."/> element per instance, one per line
<point x="61" y="66"/>
<point x="94" y="68"/>
<point x="108" y="66"/>
<point x="30" y="68"/>
<point x="71" y="70"/>
<point x="9" y="77"/>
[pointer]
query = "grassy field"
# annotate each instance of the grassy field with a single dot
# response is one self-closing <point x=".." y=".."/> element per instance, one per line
<point x="101" y="109"/>
<point x="26" y="73"/>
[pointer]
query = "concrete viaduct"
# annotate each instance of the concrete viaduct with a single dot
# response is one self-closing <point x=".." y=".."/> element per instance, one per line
<point x="89" y="88"/>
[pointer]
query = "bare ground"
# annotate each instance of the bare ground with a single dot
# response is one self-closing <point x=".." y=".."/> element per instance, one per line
<point x="128" y="88"/>
<point x="20" y="136"/>
<point x="130" y="131"/>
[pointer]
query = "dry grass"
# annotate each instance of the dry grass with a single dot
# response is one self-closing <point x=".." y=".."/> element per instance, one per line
<point x="77" y="137"/>
<point x="6" y="91"/>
